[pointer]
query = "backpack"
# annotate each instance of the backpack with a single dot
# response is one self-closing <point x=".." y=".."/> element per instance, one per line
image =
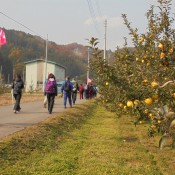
<point x="18" y="85"/>
<point x="67" y="86"/>
<point x="50" y="86"/>
<point x="81" y="88"/>
<point x="91" y="89"/>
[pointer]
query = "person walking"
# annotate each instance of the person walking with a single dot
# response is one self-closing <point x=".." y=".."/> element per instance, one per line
<point x="86" y="91"/>
<point x="50" y="91"/>
<point x="74" y="92"/>
<point x="17" y="87"/>
<point x="81" y="91"/>
<point x="66" y="88"/>
<point x="91" y="91"/>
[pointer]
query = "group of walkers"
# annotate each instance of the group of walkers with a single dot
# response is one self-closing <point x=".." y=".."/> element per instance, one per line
<point x="68" y="90"/>
<point x="87" y="91"/>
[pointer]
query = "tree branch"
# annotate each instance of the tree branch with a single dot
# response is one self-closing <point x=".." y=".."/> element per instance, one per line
<point x="168" y="82"/>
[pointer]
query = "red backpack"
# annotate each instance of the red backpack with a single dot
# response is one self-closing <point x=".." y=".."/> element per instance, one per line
<point x="81" y="88"/>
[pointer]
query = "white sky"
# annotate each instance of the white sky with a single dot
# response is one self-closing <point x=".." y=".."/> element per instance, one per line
<point x="68" y="21"/>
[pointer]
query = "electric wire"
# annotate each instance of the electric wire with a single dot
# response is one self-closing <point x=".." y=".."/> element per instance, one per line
<point x="92" y="13"/>
<point x="22" y="25"/>
<point x="98" y="8"/>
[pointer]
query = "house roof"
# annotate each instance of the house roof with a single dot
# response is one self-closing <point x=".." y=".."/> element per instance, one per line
<point x="41" y="60"/>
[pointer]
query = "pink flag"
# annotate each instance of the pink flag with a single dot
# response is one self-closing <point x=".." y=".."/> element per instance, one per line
<point x="2" y="37"/>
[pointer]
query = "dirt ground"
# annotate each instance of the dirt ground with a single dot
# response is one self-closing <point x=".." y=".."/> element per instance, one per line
<point x="6" y="99"/>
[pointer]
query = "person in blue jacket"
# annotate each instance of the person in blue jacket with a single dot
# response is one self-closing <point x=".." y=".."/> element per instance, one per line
<point x="66" y="88"/>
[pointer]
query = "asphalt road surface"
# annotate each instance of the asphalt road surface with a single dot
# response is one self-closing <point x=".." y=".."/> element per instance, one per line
<point x="31" y="113"/>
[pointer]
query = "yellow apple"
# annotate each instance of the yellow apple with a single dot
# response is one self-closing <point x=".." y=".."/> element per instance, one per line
<point x="162" y="55"/>
<point x="141" y="40"/>
<point x="130" y="104"/>
<point x="160" y="46"/>
<point x="154" y="84"/>
<point x="148" y="101"/>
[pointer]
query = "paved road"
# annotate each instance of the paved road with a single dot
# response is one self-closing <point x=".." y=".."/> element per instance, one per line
<point x="31" y="113"/>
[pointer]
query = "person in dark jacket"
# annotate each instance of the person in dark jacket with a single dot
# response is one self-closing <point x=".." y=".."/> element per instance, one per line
<point x="66" y="88"/>
<point x="17" y="87"/>
<point x="50" y="91"/>
<point x="74" y="92"/>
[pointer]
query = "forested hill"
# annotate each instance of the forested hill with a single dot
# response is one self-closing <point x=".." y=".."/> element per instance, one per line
<point x="22" y="47"/>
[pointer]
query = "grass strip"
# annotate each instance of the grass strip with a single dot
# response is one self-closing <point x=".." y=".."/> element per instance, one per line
<point x="86" y="140"/>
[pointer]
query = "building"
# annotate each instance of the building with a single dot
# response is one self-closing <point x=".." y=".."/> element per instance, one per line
<point x="35" y="73"/>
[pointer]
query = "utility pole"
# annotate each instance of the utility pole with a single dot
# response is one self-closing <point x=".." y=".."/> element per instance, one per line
<point x="105" y="40"/>
<point x="46" y="58"/>
<point x="45" y="65"/>
<point x="88" y="66"/>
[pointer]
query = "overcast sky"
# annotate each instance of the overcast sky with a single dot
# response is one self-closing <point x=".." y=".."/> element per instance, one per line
<point x="68" y="21"/>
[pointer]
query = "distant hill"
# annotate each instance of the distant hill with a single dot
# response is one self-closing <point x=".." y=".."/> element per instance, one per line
<point x="22" y="47"/>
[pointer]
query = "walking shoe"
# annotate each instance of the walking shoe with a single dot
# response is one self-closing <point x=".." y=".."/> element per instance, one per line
<point x="44" y="105"/>
<point x="14" y="111"/>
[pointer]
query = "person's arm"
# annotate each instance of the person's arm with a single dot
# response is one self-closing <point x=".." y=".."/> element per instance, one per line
<point x="22" y="85"/>
<point x="77" y="87"/>
<point x="12" y="86"/>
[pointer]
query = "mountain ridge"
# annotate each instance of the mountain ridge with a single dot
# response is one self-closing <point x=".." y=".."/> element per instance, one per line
<point x="22" y="47"/>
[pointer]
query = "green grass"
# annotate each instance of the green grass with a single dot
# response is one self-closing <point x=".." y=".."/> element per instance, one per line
<point x="86" y="140"/>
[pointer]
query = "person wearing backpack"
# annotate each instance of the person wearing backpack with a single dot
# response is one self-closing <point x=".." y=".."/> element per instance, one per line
<point x="17" y="87"/>
<point x="50" y="91"/>
<point x="66" y="89"/>
<point x="74" y="92"/>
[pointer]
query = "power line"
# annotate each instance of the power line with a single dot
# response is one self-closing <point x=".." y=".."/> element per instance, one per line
<point x="22" y="25"/>
<point x="98" y="8"/>
<point x="93" y="15"/>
